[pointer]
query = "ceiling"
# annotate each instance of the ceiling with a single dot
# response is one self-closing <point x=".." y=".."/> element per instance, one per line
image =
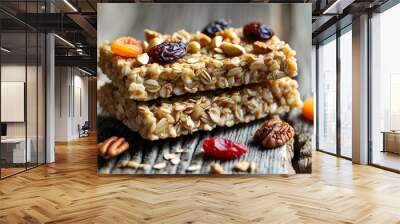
<point x="75" y="21"/>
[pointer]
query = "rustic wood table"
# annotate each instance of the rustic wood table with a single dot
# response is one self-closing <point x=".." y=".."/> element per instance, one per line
<point x="281" y="160"/>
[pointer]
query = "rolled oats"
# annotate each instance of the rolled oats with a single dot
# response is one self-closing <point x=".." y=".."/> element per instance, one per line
<point x="151" y="85"/>
<point x="215" y="115"/>
<point x="259" y="61"/>
<point x="160" y="166"/>
<point x="169" y="156"/>
<point x="193" y="168"/>
<point x="175" y="160"/>
<point x="166" y="90"/>
<point x="174" y="117"/>
<point x="205" y="77"/>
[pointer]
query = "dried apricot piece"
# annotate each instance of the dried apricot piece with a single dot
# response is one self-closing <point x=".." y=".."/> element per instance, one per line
<point x="127" y="47"/>
<point x="308" y="109"/>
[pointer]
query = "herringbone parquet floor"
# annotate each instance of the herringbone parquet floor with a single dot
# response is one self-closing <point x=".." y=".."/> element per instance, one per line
<point x="70" y="191"/>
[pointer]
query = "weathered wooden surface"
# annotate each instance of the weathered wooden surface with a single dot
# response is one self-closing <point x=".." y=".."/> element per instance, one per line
<point x="276" y="161"/>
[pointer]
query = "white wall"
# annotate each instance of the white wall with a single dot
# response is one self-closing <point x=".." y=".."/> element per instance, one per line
<point x="71" y="93"/>
<point x="34" y="125"/>
<point x="12" y="73"/>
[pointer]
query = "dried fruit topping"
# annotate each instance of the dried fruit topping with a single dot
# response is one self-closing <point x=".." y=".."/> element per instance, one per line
<point x="308" y="109"/>
<point x="167" y="52"/>
<point x="274" y="133"/>
<point x="127" y="47"/>
<point x="257" y="31"/>
<point x="212" y="28"/>
<point x="223" y="149"/>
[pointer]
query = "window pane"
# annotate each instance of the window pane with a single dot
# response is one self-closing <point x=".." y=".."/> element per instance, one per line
<point x="31" y="97"/>
<point x="14" y="153"/>
<point x="327" y="97"/>
<point x="346" y="94"/>
<point x="386" y="89"/>
<point x="41" y="98"/>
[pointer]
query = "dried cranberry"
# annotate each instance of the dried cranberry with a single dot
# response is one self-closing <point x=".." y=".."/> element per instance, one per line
<point x="257" y="31"/>
<point x="167" y="52"/>
<point x="212" y="28"/>
<point x="223" y="149"/>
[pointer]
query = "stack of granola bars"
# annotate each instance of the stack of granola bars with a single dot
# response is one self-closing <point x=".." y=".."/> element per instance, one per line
<point x="184" y="82"/>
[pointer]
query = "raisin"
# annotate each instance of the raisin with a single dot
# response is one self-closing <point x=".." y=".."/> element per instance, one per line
<point x="257" y="31"/>
<point x="167" y="52"/>
<point x="212" y="28"/>
<point x="223" y="149"/>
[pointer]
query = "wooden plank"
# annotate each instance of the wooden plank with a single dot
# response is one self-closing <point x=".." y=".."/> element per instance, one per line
<point x="275" y="161"/>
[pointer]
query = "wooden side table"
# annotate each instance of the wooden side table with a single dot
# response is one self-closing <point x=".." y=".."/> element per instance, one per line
<point x="391" y="141"/>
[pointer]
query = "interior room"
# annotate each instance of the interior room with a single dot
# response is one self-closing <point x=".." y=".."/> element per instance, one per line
<point x="49" y="127"/>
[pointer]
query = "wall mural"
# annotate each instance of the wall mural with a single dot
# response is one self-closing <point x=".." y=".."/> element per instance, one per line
<point x="204" y="89"/>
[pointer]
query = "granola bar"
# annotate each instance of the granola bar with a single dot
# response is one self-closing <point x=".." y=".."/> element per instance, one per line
<point x="166" y="118"/>
<point x="227" y="60"/>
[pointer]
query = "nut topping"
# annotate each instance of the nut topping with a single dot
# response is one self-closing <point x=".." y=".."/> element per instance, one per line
<point x="274" y="133"/>
<point x="232" y="49"/>
<point x="143" y="59"/>
<point x="194" y="47"/>
<point x="261" y="48"/>
<point x="113" y="146"/>
<point x="216" y="41"/>
<point x="216" y="169"/>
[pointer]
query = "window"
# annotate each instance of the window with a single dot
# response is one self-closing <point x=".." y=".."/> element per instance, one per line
<point x="346" y="93"/>
<point x="327" y="96"/>
<point x="22" y="78"/>
<point x="385" y="89"/>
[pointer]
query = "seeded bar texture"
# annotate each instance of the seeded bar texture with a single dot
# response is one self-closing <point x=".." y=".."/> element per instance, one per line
<point x="167" y="118"/>
<point x="225" y="61"/>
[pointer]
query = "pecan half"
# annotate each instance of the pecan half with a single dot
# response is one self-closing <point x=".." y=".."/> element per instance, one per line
<point x="113" y="146"/>
<point x="274" y="133"/>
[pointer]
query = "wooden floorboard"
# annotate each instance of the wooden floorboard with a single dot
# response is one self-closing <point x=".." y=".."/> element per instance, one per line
<point x="70" y="191"/>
